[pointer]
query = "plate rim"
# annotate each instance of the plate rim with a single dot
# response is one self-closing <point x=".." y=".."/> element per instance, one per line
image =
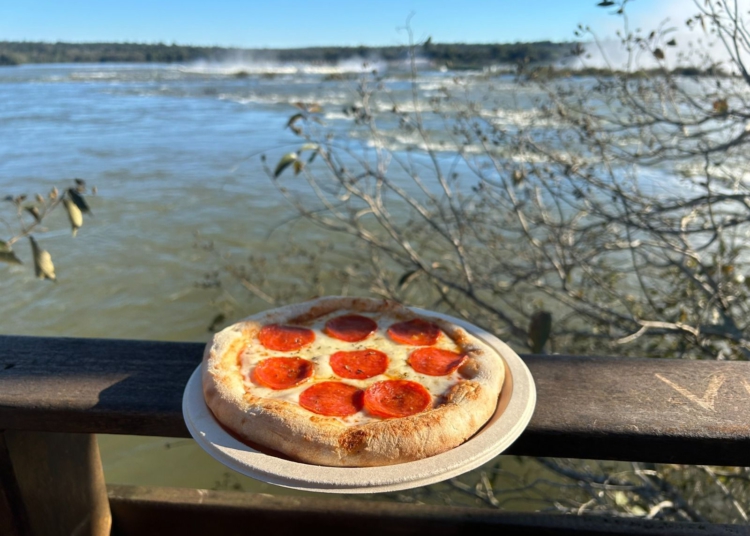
<point x="302" y="476"/>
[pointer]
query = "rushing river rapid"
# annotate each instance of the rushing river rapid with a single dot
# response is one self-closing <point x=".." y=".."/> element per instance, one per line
<point x="173" y="152"/>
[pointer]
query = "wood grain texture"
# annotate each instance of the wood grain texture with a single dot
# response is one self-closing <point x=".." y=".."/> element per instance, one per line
<point x="61" y="483"/>
<point x="14" y="520"/>
<point x="95" y="385"/>
<point x="164" y="511"/>
<point x="648" y="410"/>
<point x="656" y="410"/>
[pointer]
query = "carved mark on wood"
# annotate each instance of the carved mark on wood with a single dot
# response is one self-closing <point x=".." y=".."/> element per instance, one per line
<point x="708" y="400"/>
<point x="747" y="386"/>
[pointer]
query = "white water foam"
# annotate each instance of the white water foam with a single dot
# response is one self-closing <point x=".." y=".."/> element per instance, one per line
<point x="234" y="67"/>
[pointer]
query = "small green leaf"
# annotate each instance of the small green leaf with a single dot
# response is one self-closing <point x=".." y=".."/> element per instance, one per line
<point x="605" y="3"/>
<point x="721" y="106"/>
<point x="43" y="266"/>
<point x="9" y="257"/>
<point x="540" y="328"/>
<point x="314" y="147"/>
<point x="298" y="167"/>
<point x="311" y="107"/>
<point x="294" y="119"/>
<point x="216" y="322"/>
<point x="74" y="215"/>
<point x="408" y="277"/>
<point x="672" y="43"/>
<point x="658" y="54"/>
<point x="284" y="163"/>
<point x="79" y="201"/>
<point x="7" y="254"/>
<point x="34" y="212"/>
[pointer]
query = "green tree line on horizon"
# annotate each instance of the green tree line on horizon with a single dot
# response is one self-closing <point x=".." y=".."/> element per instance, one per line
<point x="453" y="55"/>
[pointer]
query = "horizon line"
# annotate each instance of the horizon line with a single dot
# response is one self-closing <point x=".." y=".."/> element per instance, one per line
<point x="234" y="47"/>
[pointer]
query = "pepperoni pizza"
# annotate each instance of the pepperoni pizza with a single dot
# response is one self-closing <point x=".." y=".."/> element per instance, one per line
<point x="351" y="382"/>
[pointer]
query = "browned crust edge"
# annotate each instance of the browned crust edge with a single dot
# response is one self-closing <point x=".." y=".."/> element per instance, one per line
<point x="315" y="439"/>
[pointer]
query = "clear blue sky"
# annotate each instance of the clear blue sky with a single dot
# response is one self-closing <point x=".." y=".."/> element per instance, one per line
<point x="292" y="23"/>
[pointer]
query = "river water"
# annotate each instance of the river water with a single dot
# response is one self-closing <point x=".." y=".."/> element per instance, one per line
<point x="173" y="152"/>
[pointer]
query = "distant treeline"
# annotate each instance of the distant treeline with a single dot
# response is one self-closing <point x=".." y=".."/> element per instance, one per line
<point x="550" y="71"/>
<point x="452" y="55"/>
<point x="16" y="53"/>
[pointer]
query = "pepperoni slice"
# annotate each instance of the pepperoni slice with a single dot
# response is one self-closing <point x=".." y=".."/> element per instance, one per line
<point x="415" y="332"/>
<point x="359" y="364"/>
<point x="434" y="361"/>
<point x="334" y="399"/>
<point x="285" y="338"/>
<point x="396" y="398"/>
<point x="282" y="372"/>
<point x="350" y="328"/>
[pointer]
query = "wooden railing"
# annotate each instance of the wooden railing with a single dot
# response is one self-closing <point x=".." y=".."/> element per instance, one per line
<point x="55" y="393"/>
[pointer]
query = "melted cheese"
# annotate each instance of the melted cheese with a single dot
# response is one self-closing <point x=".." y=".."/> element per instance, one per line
<point x="323" y="347"/>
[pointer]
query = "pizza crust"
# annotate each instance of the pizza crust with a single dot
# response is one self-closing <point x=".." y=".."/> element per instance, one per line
<point x="305" y="436"/>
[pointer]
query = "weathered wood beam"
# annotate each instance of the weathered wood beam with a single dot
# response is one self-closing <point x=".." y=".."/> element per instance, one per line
<point x="164" y="511"/>
<point x="13" y="518"/>
<point x="649" y="410"/>
<point x="54" y="485"/>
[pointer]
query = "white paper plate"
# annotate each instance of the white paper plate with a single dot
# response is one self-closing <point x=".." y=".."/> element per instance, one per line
<point x="514" y="410"/>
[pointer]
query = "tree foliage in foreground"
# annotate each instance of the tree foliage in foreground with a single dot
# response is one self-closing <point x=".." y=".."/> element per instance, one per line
<point x="621" y="205"/>
<point x="24" y="217"/>
<point x="614" y="220"/>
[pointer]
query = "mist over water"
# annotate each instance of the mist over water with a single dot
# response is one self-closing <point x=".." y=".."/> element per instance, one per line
<point x="242" y="65"/>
